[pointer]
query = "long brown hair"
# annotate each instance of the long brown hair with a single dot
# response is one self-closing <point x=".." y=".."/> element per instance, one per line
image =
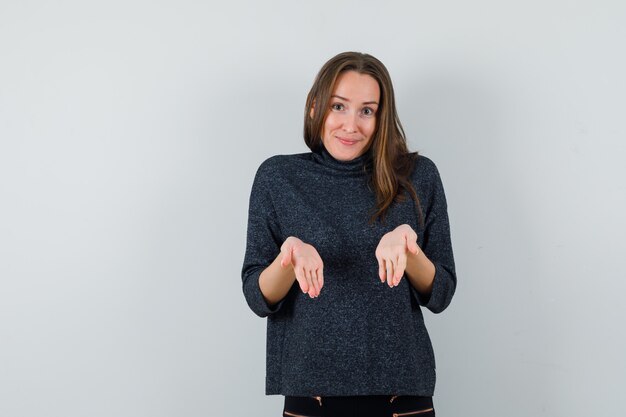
<point x="392" y="161"/>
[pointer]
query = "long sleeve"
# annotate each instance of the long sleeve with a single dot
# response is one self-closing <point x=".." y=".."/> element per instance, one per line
<point x="338" y="344"/>
<point x="437" y="246"/>
<point x="263" y="242"/>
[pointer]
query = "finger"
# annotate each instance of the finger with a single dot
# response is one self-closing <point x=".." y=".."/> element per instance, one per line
<point x="316" y="282"/>
<point x="308" y="282"/>
<point x="381" y="269"/>
<point x="286" y="259"/>
<point x="316" y="286"/>
<point x="320" y="278"/>
<point x="412" y="246"/>
<point x="400" y="268"/>
<point x="389" y="271"/>
<point x="311" y="291"/>
<point x="304" y="286"/>
<point x="394" y="263"/>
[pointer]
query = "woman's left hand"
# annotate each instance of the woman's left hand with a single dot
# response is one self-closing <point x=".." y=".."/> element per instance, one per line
<point x="392" y="253"/>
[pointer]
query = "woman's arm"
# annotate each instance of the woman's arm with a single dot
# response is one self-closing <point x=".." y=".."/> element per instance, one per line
<point x="429" y="269"/>
<point x="296" y="261"/>
<point x="436" y="245"/>
<point x="421" y="272"/>
<point x="276" y="280"/>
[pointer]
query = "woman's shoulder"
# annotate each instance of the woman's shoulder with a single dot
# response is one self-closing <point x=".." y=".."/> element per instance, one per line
<point x="277" y="164"/>
<point x="425" y="173"/>
<point x="423" y="165"/>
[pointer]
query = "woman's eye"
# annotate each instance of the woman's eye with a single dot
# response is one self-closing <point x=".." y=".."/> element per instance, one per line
<point x="337" y="106"/>
<point x="368" y="111"/>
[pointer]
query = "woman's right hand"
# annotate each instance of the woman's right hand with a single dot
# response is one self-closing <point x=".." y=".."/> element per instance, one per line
<point x="307" y="265"/>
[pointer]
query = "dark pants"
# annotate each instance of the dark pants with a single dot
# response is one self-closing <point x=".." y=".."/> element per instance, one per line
<point x="359" y="406"/>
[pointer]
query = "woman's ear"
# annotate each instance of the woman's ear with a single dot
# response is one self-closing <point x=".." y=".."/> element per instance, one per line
<point x="312" y="112"/>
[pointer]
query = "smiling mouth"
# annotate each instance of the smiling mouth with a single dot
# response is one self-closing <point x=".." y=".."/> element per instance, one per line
<point x="347" y="141"/>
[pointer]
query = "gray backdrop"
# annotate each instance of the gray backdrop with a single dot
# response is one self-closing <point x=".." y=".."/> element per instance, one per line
<point x="130" y="134"/>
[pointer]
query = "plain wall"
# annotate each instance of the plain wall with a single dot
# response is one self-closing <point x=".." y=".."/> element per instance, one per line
<point x="130" y="132"/>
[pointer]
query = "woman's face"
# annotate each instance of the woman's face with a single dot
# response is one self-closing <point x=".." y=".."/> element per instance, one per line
<point x="351" y="118"/>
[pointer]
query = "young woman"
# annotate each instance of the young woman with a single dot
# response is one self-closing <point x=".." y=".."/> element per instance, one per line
<point x="345" y="245"/>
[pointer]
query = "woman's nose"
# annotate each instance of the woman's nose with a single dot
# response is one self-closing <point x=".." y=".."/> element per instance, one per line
<point x="350" y="122"/>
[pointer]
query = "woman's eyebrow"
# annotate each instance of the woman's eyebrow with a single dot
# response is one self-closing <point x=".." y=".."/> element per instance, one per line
<point x="345" y="99"/>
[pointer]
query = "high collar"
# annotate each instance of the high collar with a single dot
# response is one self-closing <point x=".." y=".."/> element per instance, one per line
<point x="357" y="165"/>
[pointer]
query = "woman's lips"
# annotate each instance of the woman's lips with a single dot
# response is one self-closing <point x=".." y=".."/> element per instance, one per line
<point x="347" y="142"/>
